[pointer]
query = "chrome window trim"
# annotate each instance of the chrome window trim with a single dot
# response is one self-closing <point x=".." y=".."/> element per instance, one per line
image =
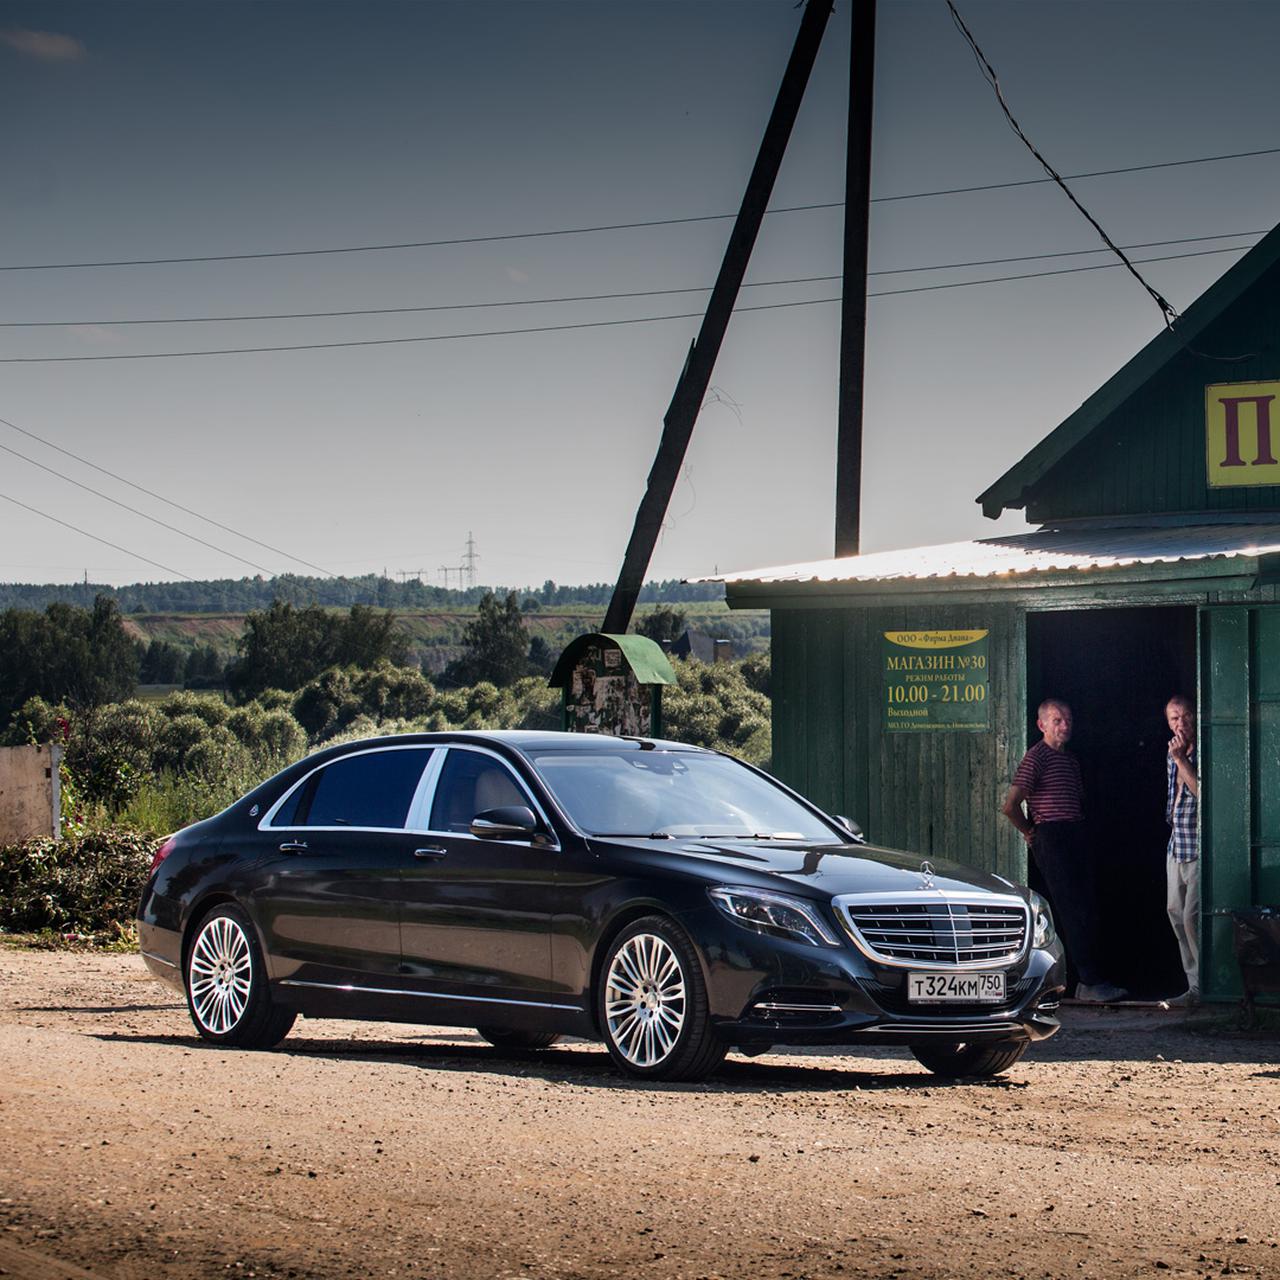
<point x="909" y="897"/>
<point x="264" y="823"/>
<point x="352" y="988"/>
<point x="429" y="800"/>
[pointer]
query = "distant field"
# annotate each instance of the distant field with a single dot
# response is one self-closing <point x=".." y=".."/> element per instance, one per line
<point x="435" y="637"/>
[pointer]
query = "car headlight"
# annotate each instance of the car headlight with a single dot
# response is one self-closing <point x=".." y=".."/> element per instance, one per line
<point x="774" y="913"/>
<point x="1044" y="934"/>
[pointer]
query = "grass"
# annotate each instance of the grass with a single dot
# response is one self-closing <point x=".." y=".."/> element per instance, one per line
<point x="120" y="939"/>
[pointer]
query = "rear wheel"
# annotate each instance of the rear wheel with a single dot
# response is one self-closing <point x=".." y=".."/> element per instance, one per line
<point x="970" y="1059"/>
<point x="651" y="1004"/>
<point x="226" y="984"/>
<point x="513" y="1038"/>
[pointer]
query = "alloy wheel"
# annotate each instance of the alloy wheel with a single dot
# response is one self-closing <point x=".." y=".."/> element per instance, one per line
<point x="220" y="974"/>
<point x="645" y="1000"/>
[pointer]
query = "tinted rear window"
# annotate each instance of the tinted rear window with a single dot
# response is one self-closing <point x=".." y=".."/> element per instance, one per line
<point x="373" y="789"/>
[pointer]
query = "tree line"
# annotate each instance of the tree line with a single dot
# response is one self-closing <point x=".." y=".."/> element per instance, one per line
<point x="302" y="677"/>
<point x="240" y="595"/>
<point x="85" y="657"/>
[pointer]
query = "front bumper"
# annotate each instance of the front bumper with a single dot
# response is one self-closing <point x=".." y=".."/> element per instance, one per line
<point x="765" y="991"/>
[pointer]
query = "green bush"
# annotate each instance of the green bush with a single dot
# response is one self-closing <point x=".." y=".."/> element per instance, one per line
<point x="89" y="884"/>
<point x="331" y="703"/>
<point x="161" y="766"/>
<point x="721" y="705"/>
<point x="269" y="733"/>
<point x="206" y="707"/>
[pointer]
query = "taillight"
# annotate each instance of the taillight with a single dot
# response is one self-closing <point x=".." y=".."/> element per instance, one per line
<point x="162" y="853"/>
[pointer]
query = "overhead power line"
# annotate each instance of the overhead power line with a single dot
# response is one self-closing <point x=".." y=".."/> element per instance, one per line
<point x="97" y="493"/>
<point x="590" y="297"/>
<point x="159" y="497"/>
<point x="115" y="546"/>
<point x="617" y="226"/>
<point x="585" y="324"/>
<point x="1059" y="271"/>
<point x="1167" y="310"/>
<point x="1071" y="177"/>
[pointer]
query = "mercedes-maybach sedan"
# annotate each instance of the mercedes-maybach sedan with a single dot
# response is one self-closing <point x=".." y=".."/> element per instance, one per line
<point x="665" y="899"/>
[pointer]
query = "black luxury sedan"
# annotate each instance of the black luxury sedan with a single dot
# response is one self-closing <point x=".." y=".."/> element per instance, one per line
<point x="665" y="899"/>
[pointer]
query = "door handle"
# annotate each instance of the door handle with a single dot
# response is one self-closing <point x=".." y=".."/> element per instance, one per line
<point x="294" y="846"/>
<point x="431" y="851"/>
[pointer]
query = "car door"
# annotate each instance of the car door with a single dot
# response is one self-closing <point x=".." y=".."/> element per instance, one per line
<point x="476" y="913"/>
<point x="328" y="902"/>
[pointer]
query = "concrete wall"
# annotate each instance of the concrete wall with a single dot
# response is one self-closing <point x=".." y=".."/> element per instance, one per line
<point x="29" y="800"/>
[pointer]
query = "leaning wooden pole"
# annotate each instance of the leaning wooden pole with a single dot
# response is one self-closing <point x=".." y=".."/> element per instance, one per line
<point x="853" y="306"/>
<point x="677" y="426"/>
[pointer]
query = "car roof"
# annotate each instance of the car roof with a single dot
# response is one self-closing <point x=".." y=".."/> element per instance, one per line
<point x="523" y="741"/>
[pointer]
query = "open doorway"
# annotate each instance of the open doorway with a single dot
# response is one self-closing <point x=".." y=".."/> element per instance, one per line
<point x="1117" y="668"/>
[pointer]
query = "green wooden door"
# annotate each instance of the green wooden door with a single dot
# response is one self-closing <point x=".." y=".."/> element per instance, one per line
<point x="1240" y="747"/>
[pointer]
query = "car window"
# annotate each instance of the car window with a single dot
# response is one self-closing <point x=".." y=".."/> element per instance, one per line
<point x="664" y="793"/>
<point x="470" y="783"/>
<point x="287" y="814"/>
<point x="372" y="789"/>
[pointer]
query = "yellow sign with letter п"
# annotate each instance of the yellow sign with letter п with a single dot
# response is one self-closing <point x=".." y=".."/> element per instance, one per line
<point x="935" y="680"/>
<point x="1242" y="434"/>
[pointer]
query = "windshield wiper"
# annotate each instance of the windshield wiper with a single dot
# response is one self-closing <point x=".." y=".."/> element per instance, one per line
<point x="633" y="835"/>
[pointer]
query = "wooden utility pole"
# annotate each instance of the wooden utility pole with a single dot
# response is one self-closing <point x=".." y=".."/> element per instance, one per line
<point x="677" y="426"/>
<point x="853" y="307"/>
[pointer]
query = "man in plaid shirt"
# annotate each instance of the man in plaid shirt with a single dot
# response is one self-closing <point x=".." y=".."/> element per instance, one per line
<point x="1183" y="862"/>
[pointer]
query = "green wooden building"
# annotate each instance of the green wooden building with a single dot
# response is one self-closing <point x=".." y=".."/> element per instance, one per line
<point x="905" y="683"/>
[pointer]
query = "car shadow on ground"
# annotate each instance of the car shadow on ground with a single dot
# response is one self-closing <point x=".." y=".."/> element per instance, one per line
<point x="587" y="1064"/>
<point x="1203" y="1037"/>
<point x="103" y="1008"/>
<point x="1208" y="1034"/>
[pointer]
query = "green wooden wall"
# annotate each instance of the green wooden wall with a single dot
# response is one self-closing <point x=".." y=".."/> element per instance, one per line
<point x="937" y="793"/>
<point x="1240" y="808"/>
<point x="1150" y="455"/>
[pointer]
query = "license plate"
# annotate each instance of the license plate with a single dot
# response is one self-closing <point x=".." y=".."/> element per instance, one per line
<point x="957" y="988"/>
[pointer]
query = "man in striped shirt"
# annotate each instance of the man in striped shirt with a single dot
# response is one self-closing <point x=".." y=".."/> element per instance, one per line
<point x="1048" y="784"/>
<point x="1182" y="803"/>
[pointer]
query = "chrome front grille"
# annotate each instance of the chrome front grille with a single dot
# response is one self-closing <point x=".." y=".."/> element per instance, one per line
<point x="931" y="929"/>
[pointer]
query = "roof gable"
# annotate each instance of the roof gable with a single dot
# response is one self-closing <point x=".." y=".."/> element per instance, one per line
<point x="1016" y="485"/>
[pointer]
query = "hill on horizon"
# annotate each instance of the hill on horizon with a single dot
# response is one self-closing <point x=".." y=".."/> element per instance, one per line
<point x="242" y="595"/>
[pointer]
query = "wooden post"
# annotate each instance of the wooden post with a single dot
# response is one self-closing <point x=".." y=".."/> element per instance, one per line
<point x="853" y="307"/>
<point x="690" y="390"/>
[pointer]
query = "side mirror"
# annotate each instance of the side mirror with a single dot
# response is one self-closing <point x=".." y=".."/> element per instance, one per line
<point x="851" y="827"/>
<point x="508" y="822"/>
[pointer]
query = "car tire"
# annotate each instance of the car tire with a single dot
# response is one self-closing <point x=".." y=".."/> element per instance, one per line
<point x="226" y="984"/>
<point x="970" y="1059"/>
<point x="514" y="1038"/>
<point x="651" y="1004"/>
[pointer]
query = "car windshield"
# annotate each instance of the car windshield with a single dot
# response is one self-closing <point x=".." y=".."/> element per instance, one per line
<point x="669" y="794"/>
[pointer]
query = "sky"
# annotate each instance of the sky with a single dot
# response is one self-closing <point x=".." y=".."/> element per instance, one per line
<point x="162" y="130"/>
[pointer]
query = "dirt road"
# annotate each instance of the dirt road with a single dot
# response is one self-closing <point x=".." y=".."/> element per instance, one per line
<point x="1132" y="1145"/>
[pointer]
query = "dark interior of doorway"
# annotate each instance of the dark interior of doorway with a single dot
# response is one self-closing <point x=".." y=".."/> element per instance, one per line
<point x="1117" y="668"/>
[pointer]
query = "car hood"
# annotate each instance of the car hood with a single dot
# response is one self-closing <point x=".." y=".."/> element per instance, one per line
<point x="822" y="869"/>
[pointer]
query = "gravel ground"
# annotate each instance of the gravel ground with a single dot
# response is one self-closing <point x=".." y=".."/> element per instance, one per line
<point x="1136" y="1143"/>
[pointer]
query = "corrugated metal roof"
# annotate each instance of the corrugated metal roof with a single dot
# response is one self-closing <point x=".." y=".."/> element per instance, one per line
<point x="1047" y="550"/>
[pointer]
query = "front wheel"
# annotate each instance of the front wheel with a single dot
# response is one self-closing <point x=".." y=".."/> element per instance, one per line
<point x="227" y="984"/>
<point x="970" y="1059"/>
<point x="651" y="1004"/>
